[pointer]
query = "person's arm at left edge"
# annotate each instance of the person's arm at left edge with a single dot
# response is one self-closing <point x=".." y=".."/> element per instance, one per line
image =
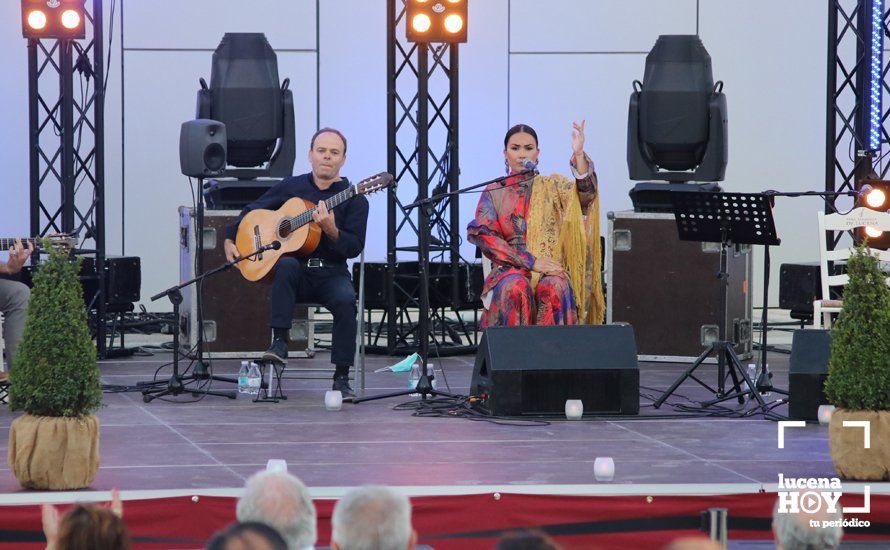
<point x="18" y="255"/>
<point x="347" y="230"/>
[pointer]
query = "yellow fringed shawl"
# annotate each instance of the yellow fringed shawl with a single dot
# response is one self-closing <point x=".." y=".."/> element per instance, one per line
<point x="555" y="228"/>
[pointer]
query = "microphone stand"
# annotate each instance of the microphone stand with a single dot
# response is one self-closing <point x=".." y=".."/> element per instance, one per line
<point x="763" y="383"/>
<point x="176" y="384"/>
<point x="502" y="180"/>
<point x="424" y="385"/>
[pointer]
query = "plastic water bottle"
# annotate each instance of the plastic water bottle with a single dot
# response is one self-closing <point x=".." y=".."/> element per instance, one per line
<point x="752" y="374"/>
<point x="414" y="377"/>
<point x="253" y="379"/>
<point x="242" y="377"/>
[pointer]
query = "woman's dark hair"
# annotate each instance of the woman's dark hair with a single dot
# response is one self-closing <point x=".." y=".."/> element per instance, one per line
<point x="240" y="531"/>
<point x="521" y="129"/>
<point x="89" y="527"/>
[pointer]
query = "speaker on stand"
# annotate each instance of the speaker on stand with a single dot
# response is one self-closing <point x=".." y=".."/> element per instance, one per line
<point x="202" y="154"/>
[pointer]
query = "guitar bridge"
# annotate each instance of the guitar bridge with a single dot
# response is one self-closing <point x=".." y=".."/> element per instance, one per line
<point x="257" y="243"/>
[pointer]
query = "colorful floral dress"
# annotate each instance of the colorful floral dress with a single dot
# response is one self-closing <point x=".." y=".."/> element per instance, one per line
<point x="499" y="230"/>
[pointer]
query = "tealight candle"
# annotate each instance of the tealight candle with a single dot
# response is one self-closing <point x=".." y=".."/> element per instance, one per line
<point x="333" y="400"/>
<point x="604" y="468"/>
<point x="574" y="409"/>
<point x="824" y="414"/>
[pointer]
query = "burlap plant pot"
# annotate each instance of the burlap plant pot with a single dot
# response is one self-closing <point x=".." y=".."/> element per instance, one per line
<point x="47" y="452"/>
<point x="846" y="444"/>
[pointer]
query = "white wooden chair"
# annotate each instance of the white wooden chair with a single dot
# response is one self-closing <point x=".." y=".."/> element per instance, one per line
<point x="858" y="217"/>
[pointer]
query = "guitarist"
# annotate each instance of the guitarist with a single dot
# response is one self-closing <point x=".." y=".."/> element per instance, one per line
<point x="323" y="277"/>
<point x="13" y="301"/>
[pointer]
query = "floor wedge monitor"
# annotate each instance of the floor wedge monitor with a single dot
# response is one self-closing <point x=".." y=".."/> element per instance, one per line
<point x="533" y="370"/>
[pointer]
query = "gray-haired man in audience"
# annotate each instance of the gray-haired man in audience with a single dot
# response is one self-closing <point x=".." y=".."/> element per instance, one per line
<point x="372" y="518"/>
<point x="820" y="530"/>
<point x="282" y="502"/>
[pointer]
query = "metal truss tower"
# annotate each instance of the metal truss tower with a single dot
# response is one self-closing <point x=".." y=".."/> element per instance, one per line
<point x="856" y="131"/>
<point x="422" y="148"/>
<point x="66" y="99"/>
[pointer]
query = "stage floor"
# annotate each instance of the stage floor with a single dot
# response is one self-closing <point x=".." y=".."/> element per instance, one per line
<point x="218" y="442"/>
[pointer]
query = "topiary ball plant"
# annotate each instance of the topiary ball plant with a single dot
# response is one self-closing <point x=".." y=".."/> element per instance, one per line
<point x="55" y="371"/>
<point x="859" y="368"/>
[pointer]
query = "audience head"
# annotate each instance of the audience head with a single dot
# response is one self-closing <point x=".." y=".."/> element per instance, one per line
<point x="250" y="535"/>
<point x="281" y="501"/>
<point x="794" y="531"/>
<point x="372" y="518"/>
<point x="526" y="540"/>
<point x="91" y="527"/>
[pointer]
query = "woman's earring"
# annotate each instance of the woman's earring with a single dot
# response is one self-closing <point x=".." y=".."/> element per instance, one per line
<point x="507" y="166"/>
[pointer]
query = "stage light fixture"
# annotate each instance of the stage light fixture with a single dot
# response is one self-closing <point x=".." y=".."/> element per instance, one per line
<point x="54" y="19"/>
<point x="36" y="20"/>
<point x="876" y="195"/>
<point x="873" y="232"/>
<point x="436" y="20"/>
<point x="677" y="120"/>
<point x="875" y="198"/>
<point x="70" y="19"/>
<point x="454" y="23"/>
<point x="421" y="22"/>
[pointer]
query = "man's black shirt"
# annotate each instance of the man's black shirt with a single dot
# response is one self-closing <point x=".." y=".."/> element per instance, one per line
<point x="351" y="217"/>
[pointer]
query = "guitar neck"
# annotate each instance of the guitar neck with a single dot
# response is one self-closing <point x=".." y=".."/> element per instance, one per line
<point x="6" y="244"/>
<point x="306" y="217"/>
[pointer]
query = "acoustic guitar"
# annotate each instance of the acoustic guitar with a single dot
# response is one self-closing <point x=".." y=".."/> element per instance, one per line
<point x="292" y="226"/>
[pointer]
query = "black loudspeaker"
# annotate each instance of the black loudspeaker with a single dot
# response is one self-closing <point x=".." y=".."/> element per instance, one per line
<point x="533" y="370"/>
<point x="469" y="284"/>
<point x="123" y="279"/>
<point x="810" y="350"/>
<point x="799" y="286"/>
<point x="202" y="148"/>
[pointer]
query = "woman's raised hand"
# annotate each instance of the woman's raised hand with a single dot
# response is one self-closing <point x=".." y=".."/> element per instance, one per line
<point x="578" y="138"/>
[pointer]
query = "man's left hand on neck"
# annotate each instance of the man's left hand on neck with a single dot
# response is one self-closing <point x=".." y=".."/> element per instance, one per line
<point x="326" y="221"/>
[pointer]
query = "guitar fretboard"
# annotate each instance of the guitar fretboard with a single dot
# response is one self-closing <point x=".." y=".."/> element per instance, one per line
<point x="303" y="218"/>
<point x="6" y="244"/>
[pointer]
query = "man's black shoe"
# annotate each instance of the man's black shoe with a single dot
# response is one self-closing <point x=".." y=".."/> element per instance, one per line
<point x="341" y="384"/>
<point x="277" y="352"/>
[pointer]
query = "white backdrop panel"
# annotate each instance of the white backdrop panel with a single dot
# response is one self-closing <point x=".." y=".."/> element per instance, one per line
<point x="591" y="87"/>
<point x="353" y="99"/>
<point x="596" y="26"/>
<point x="201" y="23"/>
<point x="161" y="95"/>
<point x="14" y="188"/>
<point x="771" y="56"/>
<point x="483" y="104"/>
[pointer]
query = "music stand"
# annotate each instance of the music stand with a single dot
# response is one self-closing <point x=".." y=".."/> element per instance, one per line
<point x="730" y="219"/>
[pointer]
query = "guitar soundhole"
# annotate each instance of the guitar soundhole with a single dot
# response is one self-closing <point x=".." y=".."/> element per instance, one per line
<point x="284" y="230"/>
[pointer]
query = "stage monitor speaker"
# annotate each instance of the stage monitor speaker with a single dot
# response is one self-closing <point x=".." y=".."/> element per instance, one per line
<point x="533" y="370"/>
<point x="202" y="148"/>
<point x="810" y="351"/>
